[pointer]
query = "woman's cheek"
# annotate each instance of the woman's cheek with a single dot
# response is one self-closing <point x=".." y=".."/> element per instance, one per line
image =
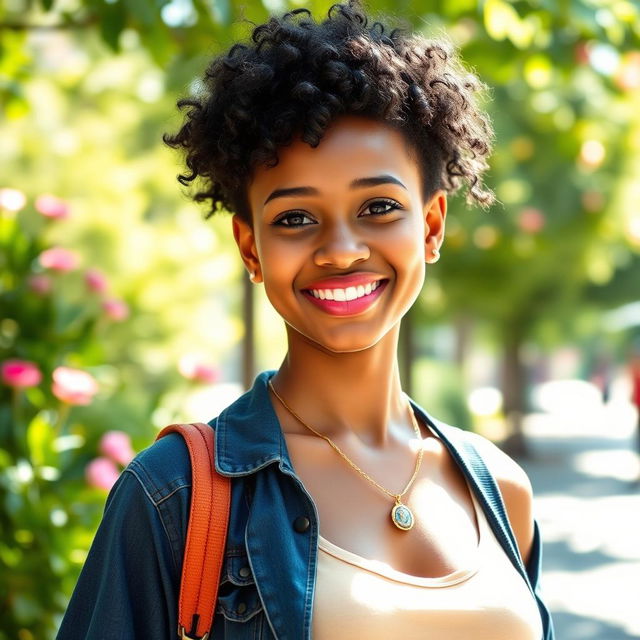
<point x="280" y="273"/>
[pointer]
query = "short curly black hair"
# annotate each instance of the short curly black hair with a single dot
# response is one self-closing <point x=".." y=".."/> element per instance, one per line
<point x="296" y="75"/>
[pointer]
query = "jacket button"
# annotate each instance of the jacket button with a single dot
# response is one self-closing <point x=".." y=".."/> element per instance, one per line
<point x="301" y="524"/>
<point x="244" y="572"/>
<point x="241" y="608"/>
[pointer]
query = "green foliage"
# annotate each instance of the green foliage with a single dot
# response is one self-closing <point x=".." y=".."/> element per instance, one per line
<point x="440" y="388"/>
<point x="58" y="316"/>
<point x="46" y="506"/>
<point x="566" y="120"/>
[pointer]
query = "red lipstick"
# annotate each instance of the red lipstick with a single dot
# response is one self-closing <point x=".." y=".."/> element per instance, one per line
<point x="346" y="307"/>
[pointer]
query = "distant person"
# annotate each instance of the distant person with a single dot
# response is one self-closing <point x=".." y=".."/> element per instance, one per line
<point x="601" y="376"/>
<point x="354" y="513"/>
<point x="634" y="374"/>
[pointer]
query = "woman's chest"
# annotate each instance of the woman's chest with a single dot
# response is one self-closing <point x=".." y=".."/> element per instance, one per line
<point x="355" y="515"/>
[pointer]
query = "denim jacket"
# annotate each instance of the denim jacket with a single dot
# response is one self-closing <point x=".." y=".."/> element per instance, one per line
<point x="130" y="582"/>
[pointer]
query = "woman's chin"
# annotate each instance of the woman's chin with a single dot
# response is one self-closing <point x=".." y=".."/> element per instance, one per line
<point x="340" y="341"/>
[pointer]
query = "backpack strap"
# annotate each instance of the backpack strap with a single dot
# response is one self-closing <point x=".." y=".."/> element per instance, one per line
<point x="487" y="490"/>
<point x="493" y="496"/>
<point x="206" y="532"/>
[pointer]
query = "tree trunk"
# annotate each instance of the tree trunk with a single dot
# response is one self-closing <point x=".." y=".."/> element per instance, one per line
<point x="463" y="326"/>
<point x="514" y="391"/>
<point x="407" y="352"/>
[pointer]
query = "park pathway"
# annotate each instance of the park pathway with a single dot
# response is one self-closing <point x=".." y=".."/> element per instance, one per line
<point x="583" y="468"/>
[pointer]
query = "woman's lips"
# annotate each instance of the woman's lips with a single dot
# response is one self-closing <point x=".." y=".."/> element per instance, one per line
<point x="347" y="307"/>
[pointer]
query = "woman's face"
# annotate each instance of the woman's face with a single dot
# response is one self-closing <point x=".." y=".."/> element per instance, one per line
<point x="341" y="233"/>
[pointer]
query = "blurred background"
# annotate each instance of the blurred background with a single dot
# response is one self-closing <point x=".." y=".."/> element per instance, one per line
<point x="122" y="310"/>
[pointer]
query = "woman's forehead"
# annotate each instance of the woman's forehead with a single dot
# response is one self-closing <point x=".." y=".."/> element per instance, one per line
<point x="352" y="147"/>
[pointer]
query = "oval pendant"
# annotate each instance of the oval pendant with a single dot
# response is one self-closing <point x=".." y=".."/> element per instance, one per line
<point x="402" y="516"/>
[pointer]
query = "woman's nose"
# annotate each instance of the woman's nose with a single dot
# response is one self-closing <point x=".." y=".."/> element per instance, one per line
<point x="340" y="247"/>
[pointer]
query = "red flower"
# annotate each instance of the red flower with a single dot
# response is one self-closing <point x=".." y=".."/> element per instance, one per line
<point x="20" y="374"/>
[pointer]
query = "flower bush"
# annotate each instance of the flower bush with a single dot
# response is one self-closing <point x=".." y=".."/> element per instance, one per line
<point x="55" y="464"/>
<point x="79" y="395"/>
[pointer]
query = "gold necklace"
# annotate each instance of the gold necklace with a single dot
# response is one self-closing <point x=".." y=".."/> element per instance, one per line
<point x="401" y="515"/>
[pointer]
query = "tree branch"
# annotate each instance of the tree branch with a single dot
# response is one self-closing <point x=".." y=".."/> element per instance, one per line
<point x="60" y="26"/>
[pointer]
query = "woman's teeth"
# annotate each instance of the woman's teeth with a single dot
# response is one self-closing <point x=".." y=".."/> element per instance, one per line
<point x="350" y="293"/>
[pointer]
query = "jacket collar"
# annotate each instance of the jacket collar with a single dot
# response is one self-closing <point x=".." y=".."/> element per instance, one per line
<point x="248" y="433"/>
<point x="249" y="436"/>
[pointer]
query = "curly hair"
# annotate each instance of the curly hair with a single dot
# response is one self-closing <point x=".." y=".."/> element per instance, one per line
<point x="296" y="75"/>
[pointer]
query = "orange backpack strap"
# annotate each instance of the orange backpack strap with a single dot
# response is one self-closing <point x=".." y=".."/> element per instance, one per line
<point x="206" y="533"/>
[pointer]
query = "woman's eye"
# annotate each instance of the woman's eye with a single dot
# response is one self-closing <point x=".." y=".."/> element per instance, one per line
<point x="293" y="219"/>
<point x="382" y="207"/>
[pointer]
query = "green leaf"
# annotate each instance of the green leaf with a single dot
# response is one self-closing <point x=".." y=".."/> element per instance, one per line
<point x="112" y="21"/>
<point x="5" y="459"/>
<point x="35" y="396"/>
<point x="142" y="11"/>
<point x="158" y="42"/>
<point x="40" y="441"/>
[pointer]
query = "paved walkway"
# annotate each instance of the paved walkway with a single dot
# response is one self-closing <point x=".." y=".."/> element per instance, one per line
<point x="584" y="472"/>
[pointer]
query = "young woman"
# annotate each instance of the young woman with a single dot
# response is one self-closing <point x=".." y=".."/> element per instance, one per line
<point x="354" y="514"/>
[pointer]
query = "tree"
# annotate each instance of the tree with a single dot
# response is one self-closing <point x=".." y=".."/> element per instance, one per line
<point x="555" y="70"/>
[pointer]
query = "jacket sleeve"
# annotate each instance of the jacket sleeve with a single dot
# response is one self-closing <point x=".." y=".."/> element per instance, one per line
<point x="128" y="587"/>
<point x="534" y="571"/>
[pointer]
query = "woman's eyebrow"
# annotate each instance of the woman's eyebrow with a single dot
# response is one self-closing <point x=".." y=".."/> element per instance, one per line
<point x="312" y="191"/>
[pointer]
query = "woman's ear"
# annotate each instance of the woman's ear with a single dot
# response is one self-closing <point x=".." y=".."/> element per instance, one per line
<point x="245" y="239"/>
<point x="435" y="211"/>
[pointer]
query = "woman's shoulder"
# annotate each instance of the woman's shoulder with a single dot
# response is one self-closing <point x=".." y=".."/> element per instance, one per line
<point x="163" y="467"/>
<point x="503" y="467"/>
<point x="515" y="488"/>
<point x="512" y="480"/>
<point x="505" y="470"/>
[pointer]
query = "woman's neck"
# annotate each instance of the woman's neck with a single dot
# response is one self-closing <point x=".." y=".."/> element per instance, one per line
<point x="339" y="394"/>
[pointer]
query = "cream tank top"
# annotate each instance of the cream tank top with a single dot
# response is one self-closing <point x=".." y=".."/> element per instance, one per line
<point x="356" y="597"/>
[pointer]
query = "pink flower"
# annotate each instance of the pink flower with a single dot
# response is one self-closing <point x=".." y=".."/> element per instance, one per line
<point x="192" y="369"/>
<point x="12" y="199"/>
<point x="531" y="220"/>
<point x="115" y="309"/>
<point x="39" y="283"/>
<point x="52" y="207"/>
<point x="117" y="446"/>
<point x="20" y="373"/>
<point x="73" y="386"/>
<point x="95" y="280"/>
<point x="101" y="473"/>
<point x="59" y="259"/>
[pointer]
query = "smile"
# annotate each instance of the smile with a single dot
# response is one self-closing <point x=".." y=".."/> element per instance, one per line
<point x="350" y="293"/>
<point x="346" y="301"/>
